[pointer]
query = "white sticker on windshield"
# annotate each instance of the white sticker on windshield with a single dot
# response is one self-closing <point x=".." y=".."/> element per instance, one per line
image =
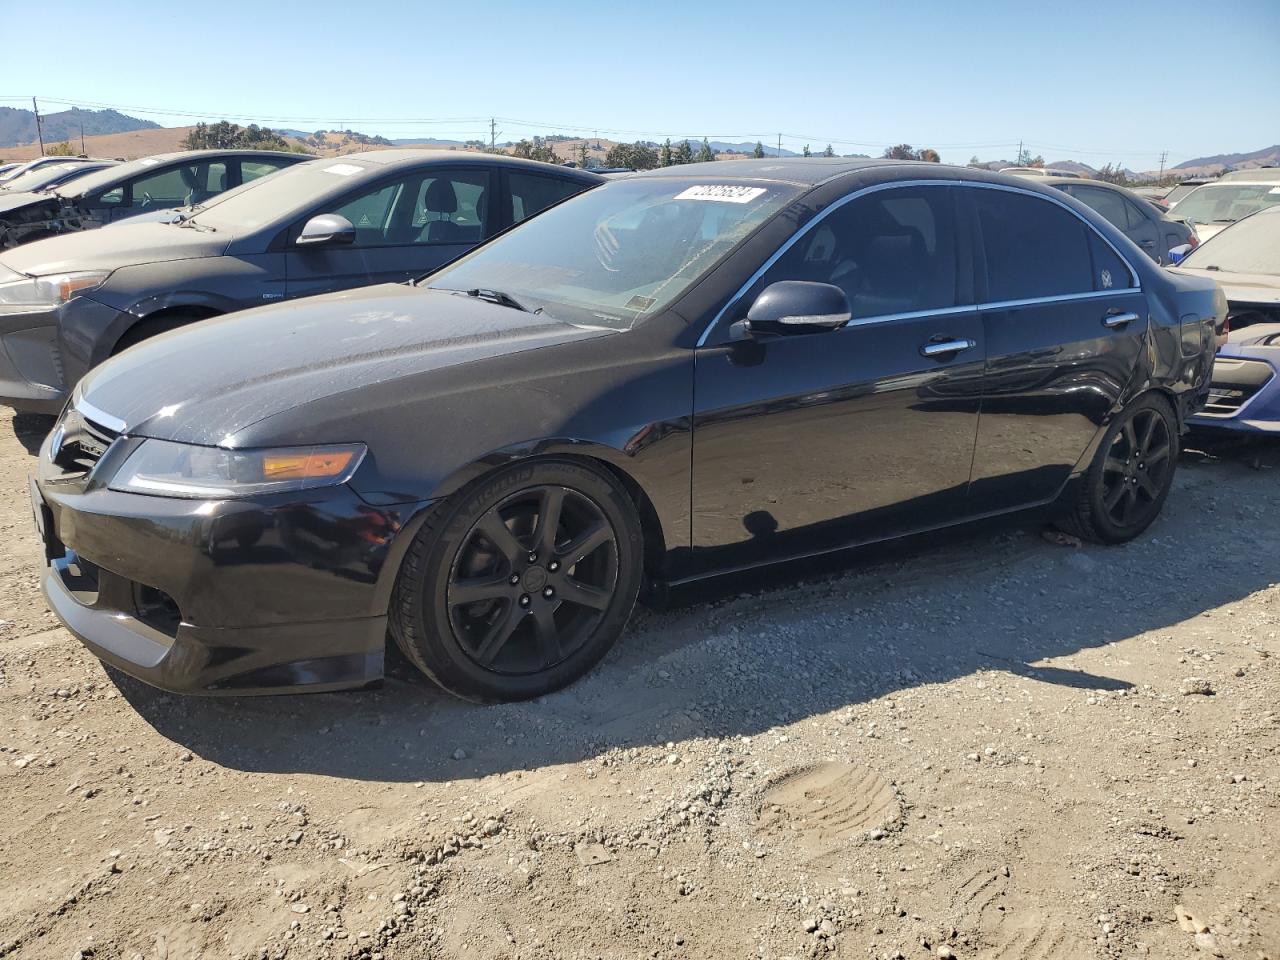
<point x="723" y="192"/>
<point x="342" y="169"/>
<point x="1274" y="190"/>
<point x="148" y="161"/>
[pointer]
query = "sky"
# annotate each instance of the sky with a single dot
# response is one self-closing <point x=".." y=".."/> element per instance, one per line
<point x="1084" y="80"/>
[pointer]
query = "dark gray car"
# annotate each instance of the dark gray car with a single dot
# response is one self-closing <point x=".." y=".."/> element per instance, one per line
<point x="67" y="303"/>
<point x="152" y="183"/>
<point x="1155" y="232"/>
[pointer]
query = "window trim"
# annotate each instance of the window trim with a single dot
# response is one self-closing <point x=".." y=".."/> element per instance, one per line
<point x="1134" y="277"/>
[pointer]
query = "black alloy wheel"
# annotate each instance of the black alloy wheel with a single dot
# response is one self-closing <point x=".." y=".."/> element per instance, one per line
<point x="518" y="584"/>
<point x="1136" y="469"/>
<point x="1126" y="485"/>
<point x="533" y="579"/>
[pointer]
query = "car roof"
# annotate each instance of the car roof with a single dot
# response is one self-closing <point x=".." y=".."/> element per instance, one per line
<point x="1256" y="175"/>
<point x="803" y="171"/>
<point x="410" y="157"/>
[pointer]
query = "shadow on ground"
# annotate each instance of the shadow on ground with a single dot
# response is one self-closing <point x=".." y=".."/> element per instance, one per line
<point x="798" y="642"/>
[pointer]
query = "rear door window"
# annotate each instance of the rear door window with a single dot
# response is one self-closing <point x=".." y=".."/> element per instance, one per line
<point x="532" y="193"/>
<point x="179" y="185"/>
<point x="1033" y="247"/>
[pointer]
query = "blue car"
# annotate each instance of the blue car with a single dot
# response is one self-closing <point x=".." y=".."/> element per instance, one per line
<point x="1245" y="260"/>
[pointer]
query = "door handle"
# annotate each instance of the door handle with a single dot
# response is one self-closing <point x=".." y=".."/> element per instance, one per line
<point x="943" y="348"/>
<point x="1117" y="320"/>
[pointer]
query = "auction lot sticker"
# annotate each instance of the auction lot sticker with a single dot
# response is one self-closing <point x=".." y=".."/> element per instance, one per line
<point x="723" y="192"/>
<point x="342" y="169"/>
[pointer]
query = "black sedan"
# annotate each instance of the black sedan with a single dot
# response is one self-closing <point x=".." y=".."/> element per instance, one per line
<point x="676" y="374"/>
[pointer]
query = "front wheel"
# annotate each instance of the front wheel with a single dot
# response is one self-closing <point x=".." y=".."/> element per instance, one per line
<point x="521" y="582"/>
<point x="1125" y="487"/>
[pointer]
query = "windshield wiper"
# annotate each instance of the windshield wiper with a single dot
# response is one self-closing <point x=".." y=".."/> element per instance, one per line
<point x="498" y="297"/>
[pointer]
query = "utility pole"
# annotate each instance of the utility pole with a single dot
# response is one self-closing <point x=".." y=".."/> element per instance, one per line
<point x="493" y="135"/>
<point x="1163" y="156"/>
<point x="82" y="151"/>
<point x="1018" y="158"/>
<point x="35" y="107"/>
<point x="779" y="144"/>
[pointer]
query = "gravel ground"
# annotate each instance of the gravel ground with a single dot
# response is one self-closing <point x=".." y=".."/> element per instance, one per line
<point x="987" y="745"/>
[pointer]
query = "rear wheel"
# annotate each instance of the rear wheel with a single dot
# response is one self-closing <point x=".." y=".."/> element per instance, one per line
<point x="1125" y="487"/>
<point x="519" y="584"/>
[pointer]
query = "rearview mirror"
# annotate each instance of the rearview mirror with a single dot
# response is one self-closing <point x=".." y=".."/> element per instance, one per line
<point x="798" y="306"/>
<point x="327" y="228"/>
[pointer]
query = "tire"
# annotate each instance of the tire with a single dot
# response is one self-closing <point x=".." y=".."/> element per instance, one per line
<point x="152" y="327"/>
<point x="493" y="608"/>
<point x="1125" y="486"/>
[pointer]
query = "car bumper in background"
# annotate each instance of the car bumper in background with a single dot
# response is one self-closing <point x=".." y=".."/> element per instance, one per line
<point x="1244" y="396"/>
<point x="230" y="597"/>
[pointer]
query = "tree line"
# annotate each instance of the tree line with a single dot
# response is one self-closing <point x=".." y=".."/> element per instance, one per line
<point x="232" y="136"/>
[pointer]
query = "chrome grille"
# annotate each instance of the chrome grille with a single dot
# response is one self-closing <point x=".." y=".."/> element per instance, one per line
<point x="79" y="443"/>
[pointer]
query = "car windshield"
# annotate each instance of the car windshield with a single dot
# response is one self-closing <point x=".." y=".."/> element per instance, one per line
<point x="1250" y="246"/>
<point x="628" y="248"/>
<point x="44" y="176"/>
<point x="1227" y="202"/>
<point x="283" y="193"/>
<point x="1180" y="191"/>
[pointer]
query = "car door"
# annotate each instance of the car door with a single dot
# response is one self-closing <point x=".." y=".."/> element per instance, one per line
<point x="406" y="226"/>
<point x="805" y="442"/>
<point x="1064" y="322"/>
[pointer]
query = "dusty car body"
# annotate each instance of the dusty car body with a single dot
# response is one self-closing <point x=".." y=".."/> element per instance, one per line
<point x="152" y="183"/>
<point x="1214" y="206"/>
<point x="672" y="375"/>
<point x="52" y="175"/>
<point x="399" y="214"/>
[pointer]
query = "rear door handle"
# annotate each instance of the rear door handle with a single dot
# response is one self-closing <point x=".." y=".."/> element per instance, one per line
<point x="943" y="348"/>
<point x="1117" y="320"/>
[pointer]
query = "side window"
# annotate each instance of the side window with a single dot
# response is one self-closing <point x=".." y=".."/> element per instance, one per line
<point x="1136" y="217"/>
<point x="180" y="185"/>
<point x="1033" y="247"/>
<point x="253" y="169"/>
<point x="370" y="213"/>
<point x="450" y="207"/>
<point x="112" y="198"/>
<point x="1110" y="205"/>
<point x="532" y="193"/>
<point x="891" y="252"/>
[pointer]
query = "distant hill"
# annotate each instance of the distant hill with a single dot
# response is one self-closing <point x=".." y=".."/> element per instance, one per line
<point x="19" y="126"/>
<point x="1266" y="157"/>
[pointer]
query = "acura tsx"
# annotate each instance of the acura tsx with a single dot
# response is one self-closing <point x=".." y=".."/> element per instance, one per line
<point x="679" y="373"/>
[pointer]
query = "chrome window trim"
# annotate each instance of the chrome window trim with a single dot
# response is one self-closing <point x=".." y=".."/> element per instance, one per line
<point x="1136" y="283"/>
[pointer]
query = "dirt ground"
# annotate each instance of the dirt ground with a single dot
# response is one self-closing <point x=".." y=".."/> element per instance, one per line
<point x="985" y="746"/>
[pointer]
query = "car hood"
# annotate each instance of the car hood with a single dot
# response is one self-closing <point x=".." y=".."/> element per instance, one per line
<point x="1206" y="230"/>
<point x="205" y="383"/>
<point x="1240" y="287"/>
<point x="123" y="245"/>
<point x="10" y="201"/>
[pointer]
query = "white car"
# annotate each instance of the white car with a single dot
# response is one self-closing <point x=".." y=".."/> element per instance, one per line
<point x="1233" y="196"/>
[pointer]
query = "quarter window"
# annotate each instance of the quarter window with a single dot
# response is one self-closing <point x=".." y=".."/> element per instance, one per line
<point x="891" y="252"/>
<point x="1033" y="247"/>
<point x="532" y="194"/>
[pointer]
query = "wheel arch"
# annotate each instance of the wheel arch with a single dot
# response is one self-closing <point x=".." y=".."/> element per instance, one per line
<point x="131" y="320"/>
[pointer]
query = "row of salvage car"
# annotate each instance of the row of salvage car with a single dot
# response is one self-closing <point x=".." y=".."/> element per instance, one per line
<point x="593" y="390"/>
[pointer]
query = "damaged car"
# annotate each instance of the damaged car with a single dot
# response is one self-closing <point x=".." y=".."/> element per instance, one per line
<point x="676" y="374"/>
<point x="1244" y="395"/>
<point x="152" y="183"/>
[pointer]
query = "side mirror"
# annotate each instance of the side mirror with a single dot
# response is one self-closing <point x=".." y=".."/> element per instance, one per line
<point x="327" y="228"/>
<point x="797" y="306"/>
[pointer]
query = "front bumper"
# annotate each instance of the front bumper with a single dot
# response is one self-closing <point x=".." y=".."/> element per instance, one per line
<point x="285" y="594"/>
<point x="31" y="374"/>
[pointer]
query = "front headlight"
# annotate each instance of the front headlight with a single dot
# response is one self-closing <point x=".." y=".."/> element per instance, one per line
<point x="165" y="469"/>
<point x="51" y="290"/>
